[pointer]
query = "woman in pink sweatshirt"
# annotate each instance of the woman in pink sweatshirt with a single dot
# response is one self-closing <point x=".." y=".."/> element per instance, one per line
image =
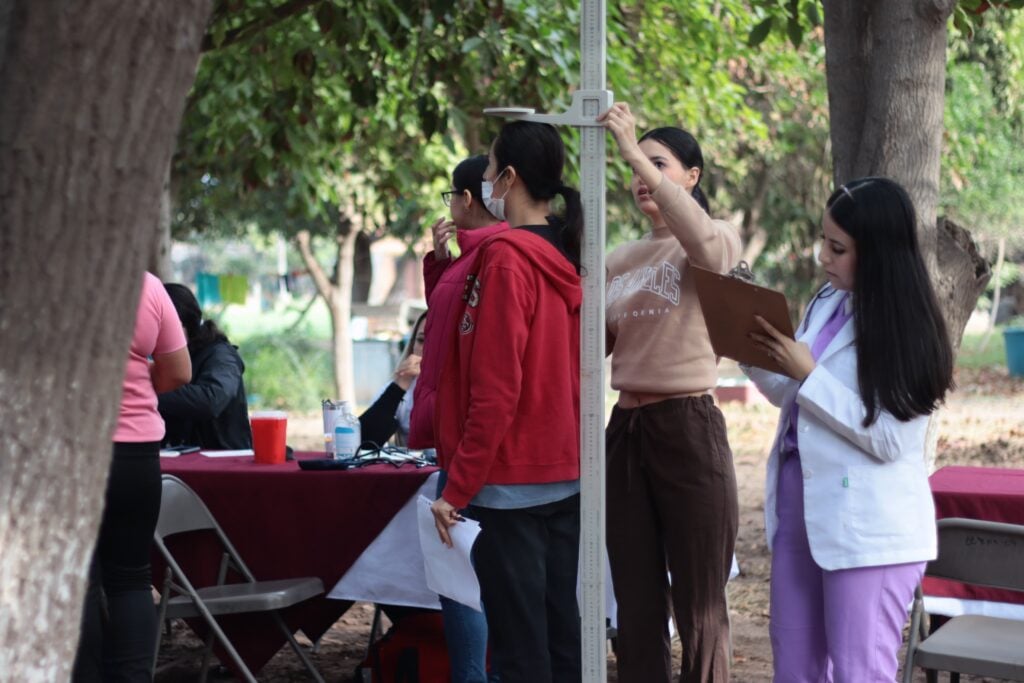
<point x="671" y="487"/>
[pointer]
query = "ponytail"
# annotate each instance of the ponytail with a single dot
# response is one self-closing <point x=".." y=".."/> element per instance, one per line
<point x="208" y="334"/>
<point x="537" y="153"/>
<point x="572" y="231"/>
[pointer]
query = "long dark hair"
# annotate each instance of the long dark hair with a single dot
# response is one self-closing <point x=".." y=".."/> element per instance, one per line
<point x="200" y="333"/>
<point x="468" y="175"/>
<point x="685" y="148"/>
<point x="904" y="357"/>
<point x="537" y="153"/>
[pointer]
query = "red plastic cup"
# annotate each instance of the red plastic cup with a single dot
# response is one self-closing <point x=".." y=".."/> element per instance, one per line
<point x="269" y="428"/>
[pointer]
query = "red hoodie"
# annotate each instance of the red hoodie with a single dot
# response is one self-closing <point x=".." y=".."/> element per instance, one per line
<point x="443" y="279"/>
<point x="508" y="400"/>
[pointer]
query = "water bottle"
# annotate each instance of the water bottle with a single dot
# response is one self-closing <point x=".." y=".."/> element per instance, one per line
<point x="347" y="436"/>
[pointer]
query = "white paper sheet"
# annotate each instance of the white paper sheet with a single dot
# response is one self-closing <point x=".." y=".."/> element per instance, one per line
<point x="449" y="570"/>
<point x="227" y="454"/>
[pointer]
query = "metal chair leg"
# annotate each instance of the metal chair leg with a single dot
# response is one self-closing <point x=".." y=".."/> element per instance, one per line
<point x="279" y="620"/>
<point x="204" y="670"/>
<point x="374" y="629"/>
<point x="162" y="617"/>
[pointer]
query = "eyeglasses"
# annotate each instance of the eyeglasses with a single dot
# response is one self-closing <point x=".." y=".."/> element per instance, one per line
<point x="446" y="197"/>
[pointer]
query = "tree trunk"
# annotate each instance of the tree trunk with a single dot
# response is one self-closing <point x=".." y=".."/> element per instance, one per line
<point x="92" y="98"/>
<point x="160" y="263"/>
<point x="362" y="269"/>
<point x="753" y="234"/>
<point x="886" y="69"/>
<point x="997" y="292"/>
<point x="339" y="302"/>
<point x="962" y="276"/>
<point x="886" y="72"/>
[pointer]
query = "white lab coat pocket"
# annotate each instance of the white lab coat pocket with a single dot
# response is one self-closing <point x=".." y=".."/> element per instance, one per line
<point x="885" y="501"/>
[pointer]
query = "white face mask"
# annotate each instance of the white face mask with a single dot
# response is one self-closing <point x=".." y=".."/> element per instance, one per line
<point x="495" y="205"/>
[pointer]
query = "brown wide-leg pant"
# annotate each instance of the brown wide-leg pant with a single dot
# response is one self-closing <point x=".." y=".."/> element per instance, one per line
<point x="672" y="507"/>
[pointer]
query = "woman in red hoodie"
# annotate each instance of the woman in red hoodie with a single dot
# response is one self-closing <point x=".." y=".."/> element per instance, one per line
<point x="507" y="412"/>
<point x="465" y="629"/>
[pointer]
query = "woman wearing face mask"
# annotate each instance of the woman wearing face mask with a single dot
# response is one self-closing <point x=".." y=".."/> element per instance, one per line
<point x="444" y="275"/>
<point x="508" y="411"/>
<point x="671" y="487"/>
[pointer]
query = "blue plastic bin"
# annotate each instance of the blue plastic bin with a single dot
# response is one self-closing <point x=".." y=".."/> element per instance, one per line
<point x="1014" y="339"/>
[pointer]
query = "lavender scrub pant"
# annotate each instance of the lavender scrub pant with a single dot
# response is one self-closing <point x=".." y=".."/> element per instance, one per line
<point x="843" y="626"/>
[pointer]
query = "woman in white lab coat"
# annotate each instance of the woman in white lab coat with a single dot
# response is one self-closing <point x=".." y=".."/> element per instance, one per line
<point x="848" y="510"/>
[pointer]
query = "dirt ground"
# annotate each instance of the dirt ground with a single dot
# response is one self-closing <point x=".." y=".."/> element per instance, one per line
<point x="981" y="425"/>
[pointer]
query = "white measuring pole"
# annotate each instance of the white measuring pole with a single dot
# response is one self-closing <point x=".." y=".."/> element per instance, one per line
<point x="590" y="100"/>
<point x="592" y="353"/>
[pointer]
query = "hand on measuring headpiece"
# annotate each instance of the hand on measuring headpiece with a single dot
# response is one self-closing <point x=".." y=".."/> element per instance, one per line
<point x="619" y="120"/>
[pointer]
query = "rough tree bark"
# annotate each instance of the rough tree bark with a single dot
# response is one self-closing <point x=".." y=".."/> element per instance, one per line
<point x="92" y="98"/>
<point x="885" y="65"/>
<point x="753" y="234"/>
<point x="886" y="68"/>
<point x="339" y="301"/>
<point x="362" y="268"/>
<point x="160" y="262"/>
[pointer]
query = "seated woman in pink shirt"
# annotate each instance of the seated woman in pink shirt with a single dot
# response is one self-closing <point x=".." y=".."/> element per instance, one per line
<point x="120" y="647"/>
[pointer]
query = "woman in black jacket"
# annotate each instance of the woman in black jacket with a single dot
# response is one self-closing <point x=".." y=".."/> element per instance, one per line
<point x="210" y="411"/>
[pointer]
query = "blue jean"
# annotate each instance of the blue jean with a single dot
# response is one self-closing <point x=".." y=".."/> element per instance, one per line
<point x="465" y="634"/>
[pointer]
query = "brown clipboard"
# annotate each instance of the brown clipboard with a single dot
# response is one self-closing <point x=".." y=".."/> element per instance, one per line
<point x="729" y="305"/>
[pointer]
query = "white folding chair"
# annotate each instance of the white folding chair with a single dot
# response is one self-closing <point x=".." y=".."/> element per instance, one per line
<point x="983" y="553"/>
<point x="182" y="511"/>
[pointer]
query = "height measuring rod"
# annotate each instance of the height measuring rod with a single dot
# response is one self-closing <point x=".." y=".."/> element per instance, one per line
<point x="590" y="100"/>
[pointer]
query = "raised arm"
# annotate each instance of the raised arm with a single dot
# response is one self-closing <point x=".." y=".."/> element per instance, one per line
<point x="710" y="244"/>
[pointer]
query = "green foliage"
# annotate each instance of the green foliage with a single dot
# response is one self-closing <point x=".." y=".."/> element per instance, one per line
<point x="682" y="63"/>
<point x="795" y="18"/>
<point x="368" y="107"/>
<point x="363" y="107"/>
<point x="969" y="15"/>
<point x="1011" y="273"/>
<point x="287" y="371"/>
<point x="778" y="182"/>
<point x="973" y="355"/>
<point x="983" y="168"/>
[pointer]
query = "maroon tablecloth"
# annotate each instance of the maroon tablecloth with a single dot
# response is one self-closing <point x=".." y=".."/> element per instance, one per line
<point x="988" y="493"/>
<point x="286" y="523"/>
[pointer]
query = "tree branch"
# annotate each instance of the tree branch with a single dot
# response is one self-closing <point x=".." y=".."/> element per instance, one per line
<point x="323" y="284"/>
<point x="274" y="16"/>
